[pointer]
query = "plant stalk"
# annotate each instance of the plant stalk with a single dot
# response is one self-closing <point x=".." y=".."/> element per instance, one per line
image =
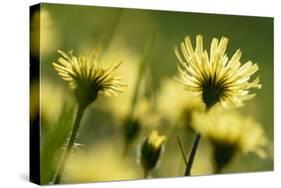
<point x="145" y="174"/>
<point x="192" y="155"/>
<point x="79" y="115"/>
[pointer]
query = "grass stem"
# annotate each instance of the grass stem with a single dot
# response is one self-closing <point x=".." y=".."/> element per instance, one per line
<point x="70" y="144"/>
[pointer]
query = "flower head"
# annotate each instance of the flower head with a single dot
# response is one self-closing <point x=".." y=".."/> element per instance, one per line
<point x="88" y="78"/>
<point x="150" y="150"/>
<point x="217" y="79"/>
<point x="230" y="132"/>
<point x="175" y="104"/>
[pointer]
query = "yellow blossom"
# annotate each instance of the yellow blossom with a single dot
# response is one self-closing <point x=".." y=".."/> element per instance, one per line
<point x="87" y="77"/>
<point x="215" y="77"/>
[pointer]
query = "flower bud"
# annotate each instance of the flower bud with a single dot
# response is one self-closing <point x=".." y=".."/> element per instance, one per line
<point x="150" y="151"/>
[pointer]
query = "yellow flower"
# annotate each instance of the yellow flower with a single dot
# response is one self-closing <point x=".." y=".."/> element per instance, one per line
<point x="121" y="107"/>
<point x="217" y="79"/>
<point x="150" y="151"/>
<point x="48" y="112"/>
<point x="231" y="129"/>
<point x="87" y="77"/>
<point x="175" y="104"/>
<point x="44" y="28"/>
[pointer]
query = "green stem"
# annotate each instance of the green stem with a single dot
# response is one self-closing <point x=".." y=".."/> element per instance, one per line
<point x="182" y="152"/>
<point x="218" y="170"/>
<point x="70" y="144"/>
<point x="192" y="155"/>
<point x="145" y="174"/>
<point x="143" y="65"/>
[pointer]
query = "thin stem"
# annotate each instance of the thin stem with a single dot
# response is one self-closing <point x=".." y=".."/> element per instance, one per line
<point x="192" y="155"/>
<point x="141" y="71"/>
<point x="218" y="170"/>
<point x="70" y="144"/>
<point x="182" y="152"/>
<point x="145" y="174"/>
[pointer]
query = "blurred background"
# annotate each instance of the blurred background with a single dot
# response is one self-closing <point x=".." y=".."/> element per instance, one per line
<point x="139" y="37"/>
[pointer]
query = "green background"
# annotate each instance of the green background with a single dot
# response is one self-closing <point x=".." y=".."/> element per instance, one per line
<point x="80" y="26"/>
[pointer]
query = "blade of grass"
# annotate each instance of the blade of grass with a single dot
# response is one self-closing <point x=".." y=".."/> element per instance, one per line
<point x="143" y="65"/>
<point x="53" y="141"/>
<point x="142" y="69"/>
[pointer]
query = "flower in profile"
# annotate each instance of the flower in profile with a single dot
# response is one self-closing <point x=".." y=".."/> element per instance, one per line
<point x="132" y="117"/>
<point x="87" y="77"/>
<point x="230" y="133"/>
<point x="150" y="151"/>
<point x="176" y="104"/>
<point x="216" y="78"/>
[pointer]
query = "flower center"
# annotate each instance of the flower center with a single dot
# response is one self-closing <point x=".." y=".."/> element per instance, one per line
<point x="212" y="92"/>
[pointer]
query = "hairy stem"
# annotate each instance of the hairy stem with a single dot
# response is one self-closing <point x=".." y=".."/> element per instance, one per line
<point x="192" y="155"/>
<point x="70" y="144"/>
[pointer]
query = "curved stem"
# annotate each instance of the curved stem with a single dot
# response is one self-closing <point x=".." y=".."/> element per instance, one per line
<point x="192" y="155"/>
<point x="145" y="174"/>
<point x="70" y="144"/>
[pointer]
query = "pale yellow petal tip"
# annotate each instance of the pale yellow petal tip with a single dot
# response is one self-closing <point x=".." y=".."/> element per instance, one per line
<point x="199" y="37"/>
<point x="61" y="52"/>
<point x="257" y="82"/>
<point x="187" y="38"/>
<point x="224" y="38"/>
<point x="155" y="139"/>
<point x="119" y="63"/>
<point x="262" y="154"/>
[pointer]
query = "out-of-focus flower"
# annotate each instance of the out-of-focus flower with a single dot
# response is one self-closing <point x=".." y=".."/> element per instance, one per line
<point x="133" y="117"/>
<point x="87" y="77"/>
<point x="230" y="132"/>
<point x="102" y="163"/>
<point x="50" y="95"/>
<point x="215" y="78"/>
<point x="175" y="104"/>
<point x="44" y="29"/>
<point x="144" y="116"/>
<point x="150" y="151"/>
<point x="121" y="106"/>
